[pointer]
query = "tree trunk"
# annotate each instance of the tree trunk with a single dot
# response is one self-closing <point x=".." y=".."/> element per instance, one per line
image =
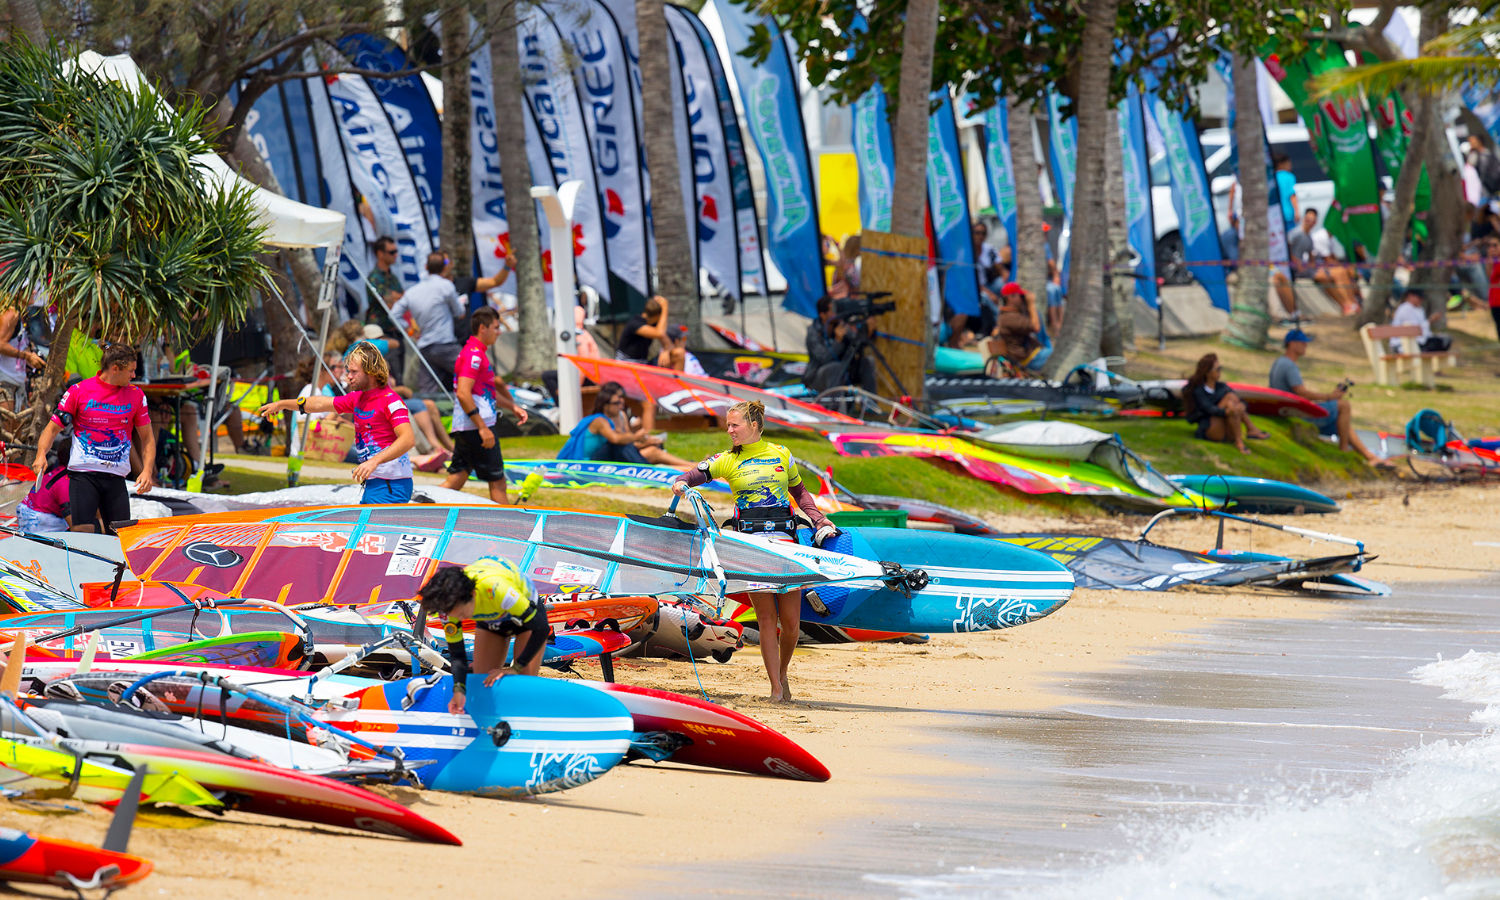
<point x="1079" y="341"/>
<point x="1118" y="332"/>
<point x="536" y="346"/>
<point x="456" y="225"/>
<point x="909" y="137"/>
<point x="27" y="19"/>
<point x="1393" y="236"/>
<point x="1250" y="319"/>
<point x="49" y="387"/>
<point x="1449" y="211"/>
<point x="1031" y="249"/>
<point x="676" y="279"/>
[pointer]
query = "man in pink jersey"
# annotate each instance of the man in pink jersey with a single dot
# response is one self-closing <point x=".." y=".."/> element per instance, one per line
<point x="102" y="412"/>
<point x="475" y="389"/>
<point x="382" y="426"/>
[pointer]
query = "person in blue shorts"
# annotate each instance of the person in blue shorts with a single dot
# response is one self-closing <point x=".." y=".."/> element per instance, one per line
<point x="1286" y="375"/>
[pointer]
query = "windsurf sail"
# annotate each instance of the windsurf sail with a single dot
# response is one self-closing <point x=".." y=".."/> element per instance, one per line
<point x="695" y="395"/>
<point x="365" y="554"/>
<point x="572" y="474"/>
<point x="1104" y="563"/>
<point x="757" y="369"/>
<point x="1067" y="440"/>
<point x="1030" y="476"/>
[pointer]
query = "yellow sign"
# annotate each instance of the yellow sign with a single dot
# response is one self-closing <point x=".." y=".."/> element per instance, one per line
<point x="838" y="195"/>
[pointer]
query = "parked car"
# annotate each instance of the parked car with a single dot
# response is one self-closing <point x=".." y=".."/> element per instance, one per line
<point x="1313" y="189"/>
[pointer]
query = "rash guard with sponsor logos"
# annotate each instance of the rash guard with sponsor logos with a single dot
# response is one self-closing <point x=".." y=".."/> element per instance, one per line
<point x="102" y="415"/>
<point x="376" y="413"/>
<point x="474" y="362"/>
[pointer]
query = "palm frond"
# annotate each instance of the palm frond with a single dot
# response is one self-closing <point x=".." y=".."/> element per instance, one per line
<point x="1429" y="74"/>
<point x="1465" y="38"/>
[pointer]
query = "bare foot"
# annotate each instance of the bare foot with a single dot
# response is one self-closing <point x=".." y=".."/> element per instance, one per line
<point x="1245" y="450"/>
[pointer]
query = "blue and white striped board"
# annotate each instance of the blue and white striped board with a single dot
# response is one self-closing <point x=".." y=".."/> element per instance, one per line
<point x="976" y="584"/>
<point x="560" y="736"/>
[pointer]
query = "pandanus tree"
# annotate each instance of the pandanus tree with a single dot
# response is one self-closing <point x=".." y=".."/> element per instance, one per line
<point x="105" y="212"/>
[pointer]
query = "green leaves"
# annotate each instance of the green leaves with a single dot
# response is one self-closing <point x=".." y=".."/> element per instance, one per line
<point x="103" y="205"/>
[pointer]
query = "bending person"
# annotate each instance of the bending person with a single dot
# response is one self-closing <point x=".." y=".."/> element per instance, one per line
<point x="768" y="492"/>
<point x="502" y="603"/>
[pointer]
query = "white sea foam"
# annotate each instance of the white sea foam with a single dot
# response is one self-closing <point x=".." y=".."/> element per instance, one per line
<point x="1429" y="829"/>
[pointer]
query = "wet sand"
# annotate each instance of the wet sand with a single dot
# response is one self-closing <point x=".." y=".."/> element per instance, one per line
<point x="888" y="720"/>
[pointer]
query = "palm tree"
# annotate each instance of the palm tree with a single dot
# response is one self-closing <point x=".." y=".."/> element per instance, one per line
<point x="102" y="205"/>
<point x="1250" y="320"/>
<point x="676" y="279"/>
<point x="909" y="136"/>
<point x="1089" y="240"/>
<point x="536" y="346"/>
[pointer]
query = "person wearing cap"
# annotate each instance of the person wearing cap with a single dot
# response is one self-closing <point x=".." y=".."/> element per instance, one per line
<point x="1015" y="334"/>
<point x="1286" y="375"/>
<point x="675" y="354"/>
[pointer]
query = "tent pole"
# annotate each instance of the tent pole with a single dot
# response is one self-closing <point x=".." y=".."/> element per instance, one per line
<point x="325" y="303"/>
<point x="207" y="425"/>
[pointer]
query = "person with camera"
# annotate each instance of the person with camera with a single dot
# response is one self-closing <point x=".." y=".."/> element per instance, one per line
<point x="1286" y="375"/>
<point x="836" y="346"/>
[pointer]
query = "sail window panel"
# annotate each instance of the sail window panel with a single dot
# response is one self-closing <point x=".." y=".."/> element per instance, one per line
<point x="585" y="532"/>
<point x="503" y="523"/>
<point x="416" y="516"/>
<point x="345" y="516"/>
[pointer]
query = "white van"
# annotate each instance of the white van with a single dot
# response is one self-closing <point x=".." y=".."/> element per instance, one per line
<point x="1314" y="189"/>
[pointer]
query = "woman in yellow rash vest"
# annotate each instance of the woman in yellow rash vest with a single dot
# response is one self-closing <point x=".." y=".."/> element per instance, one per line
<point x="768" y="492"/>
<point x="502" y="603"/>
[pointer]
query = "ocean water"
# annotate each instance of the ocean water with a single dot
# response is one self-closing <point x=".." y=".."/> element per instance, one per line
<point x="1355" y="757"/>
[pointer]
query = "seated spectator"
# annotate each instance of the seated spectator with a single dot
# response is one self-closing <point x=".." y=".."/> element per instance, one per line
<point x="634" y="344"/>
<point x="675" y="354"/>
<point x="1413" y="311"/>
<point x="1286" y="375"/>
<point x="1311" y="250"/>
<point x="1218" y="412"/>
<point x="609" y="436"/>
<point x="1016" y="335"/>
<point x="45" y="508"/>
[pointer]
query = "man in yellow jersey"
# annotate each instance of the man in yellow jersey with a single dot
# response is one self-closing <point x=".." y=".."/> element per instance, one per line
<point x="502" y="603"/>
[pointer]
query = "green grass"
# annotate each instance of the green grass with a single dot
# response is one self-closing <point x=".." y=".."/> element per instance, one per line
<point x="248" y="481"/>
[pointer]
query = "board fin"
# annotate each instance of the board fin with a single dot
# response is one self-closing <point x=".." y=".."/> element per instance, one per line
<point x="117" y="839"/>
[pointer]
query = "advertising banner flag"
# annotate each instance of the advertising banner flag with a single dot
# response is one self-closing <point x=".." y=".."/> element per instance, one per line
<point x="415" y="120"/>
<point x="623" y="12"/>
<point x="747" y="224"/>
<point x="337" y="193"/>
<point x="1341" y="142"/>
<point x="491" y="224"/>
<point x="773" y="110"/>
<point x="1192" y="199"/>
<point x="876" y="160"/>
<point x="1139" y="223"/>
<point x="378" y="170"/>
<point x="1000" y="172"/>
<point x="948" y="202"/>
<point x="1063" y="145"/>
<point x="602" y="75"/>
<point x="1393" y="128"/>
<point x="713" y="195"/>
<point x="682" y="142"/>
<point x="564" y="145"/>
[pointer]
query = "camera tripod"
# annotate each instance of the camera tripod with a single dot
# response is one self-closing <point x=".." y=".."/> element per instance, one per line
<point x="863" y="342"/>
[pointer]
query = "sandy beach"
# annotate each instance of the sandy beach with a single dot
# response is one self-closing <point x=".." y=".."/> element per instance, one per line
<point x="868" y="711"/>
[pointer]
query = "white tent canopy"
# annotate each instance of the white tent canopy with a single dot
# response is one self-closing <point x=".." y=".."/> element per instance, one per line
<point x="288" y="223"/>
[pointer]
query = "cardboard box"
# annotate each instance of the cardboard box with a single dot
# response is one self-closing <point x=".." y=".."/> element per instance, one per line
<point x="329" y="440"/>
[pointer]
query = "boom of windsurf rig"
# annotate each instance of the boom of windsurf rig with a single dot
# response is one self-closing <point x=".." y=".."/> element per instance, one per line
<point x="1222" y="516"/>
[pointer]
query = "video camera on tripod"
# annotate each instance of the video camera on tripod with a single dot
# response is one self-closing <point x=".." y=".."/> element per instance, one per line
<point x="855" y="310"/>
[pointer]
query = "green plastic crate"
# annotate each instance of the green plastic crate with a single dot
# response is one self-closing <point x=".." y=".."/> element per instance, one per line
<point x="870" y="518"/>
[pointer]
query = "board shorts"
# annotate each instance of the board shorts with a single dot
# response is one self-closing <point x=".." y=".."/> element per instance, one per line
<point x="470" y="455"/>
<point x="35" y="522"/>
<point x="384" y="490"/>
<point x="1328" y="426"/>
<point x="96" y="495"/>
<point x="537" y="633"/>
